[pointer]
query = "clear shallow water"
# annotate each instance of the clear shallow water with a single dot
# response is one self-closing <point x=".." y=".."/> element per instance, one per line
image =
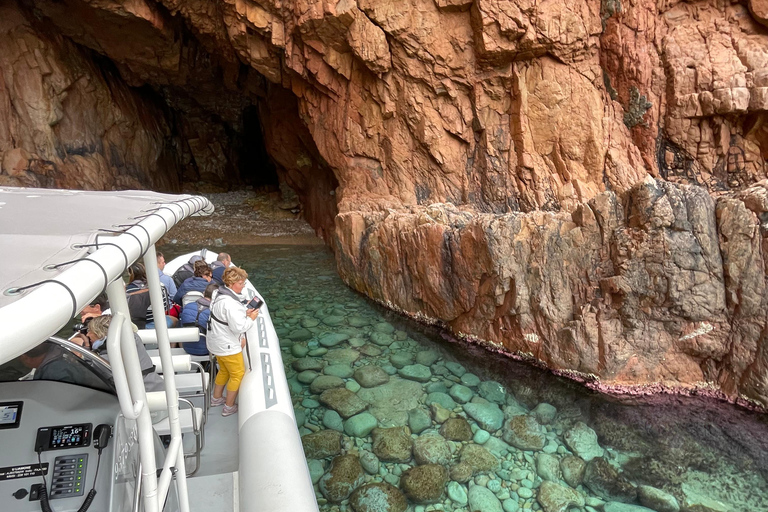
<point x="708" y="454"/>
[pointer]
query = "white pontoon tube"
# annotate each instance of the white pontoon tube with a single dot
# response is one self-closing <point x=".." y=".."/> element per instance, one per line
<point x="273" y="470"/>
<point x="97" y="235"/>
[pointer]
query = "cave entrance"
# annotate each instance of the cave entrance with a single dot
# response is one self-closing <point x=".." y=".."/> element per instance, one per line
<point x="256" y="167"/>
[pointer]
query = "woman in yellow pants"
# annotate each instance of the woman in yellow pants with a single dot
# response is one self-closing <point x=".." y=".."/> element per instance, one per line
<point x="230" y="319"/>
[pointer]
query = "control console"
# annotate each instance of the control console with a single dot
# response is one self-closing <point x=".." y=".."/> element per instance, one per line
<point x="64" y="436"/>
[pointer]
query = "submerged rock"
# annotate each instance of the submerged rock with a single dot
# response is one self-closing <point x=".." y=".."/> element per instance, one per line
<point x="693" y="501"/>
<point x="417" y="372"/>
<point x="524" y="432"/>
<point x="657" y="499"/>
<point x="307" y="363"/>
<point x="544" y="413"/>
<point x="554" y="497"/>
<point x="616" y="506"/>
<point x="483" y="500"/>
<point x="343" y="401"/>
<point x="456" y="429"/>
<point x="487" y="415"/>
<point x="378" y="497"/>
<point x="322" y="444"/>
<point x="419" y="420"/>
<point x="605" y="480"/>
<point x="582" y="441"/>
<point x="431" y="449"/>
<point x="457" y="493"/>
<point x="371" y="376"/>
<point x="548" y="467"/>
<point x="441" y="398"/>
<point x="343" y="477"/>
<point x="370" y="462"/>
<point x="492" y="391"/>
<point x="392" y="444"/>
<point x="324" y="383"/>
<point x="360" y="425"/>
<point x="461" y="472"/>
<point x="332" y="339"/>
<point x="424" y="484"/>
<point x="573" y="468"/>
<point x="427" y="357"/>
<point x="478" y="458"/>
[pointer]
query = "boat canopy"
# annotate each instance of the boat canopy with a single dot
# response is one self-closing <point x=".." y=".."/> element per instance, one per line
<point x="53" y="240"/>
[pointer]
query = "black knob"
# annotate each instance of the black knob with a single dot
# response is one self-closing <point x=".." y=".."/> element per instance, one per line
<point x="20" y="494"/>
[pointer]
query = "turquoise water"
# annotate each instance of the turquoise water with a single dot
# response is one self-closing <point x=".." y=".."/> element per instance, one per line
<point x="509" y="436"/>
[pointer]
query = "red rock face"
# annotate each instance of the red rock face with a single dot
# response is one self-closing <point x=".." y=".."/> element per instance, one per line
<point x="579" y="181"/>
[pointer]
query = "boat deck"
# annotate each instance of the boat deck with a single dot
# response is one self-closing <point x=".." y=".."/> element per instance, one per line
<point x="214" y="486"/>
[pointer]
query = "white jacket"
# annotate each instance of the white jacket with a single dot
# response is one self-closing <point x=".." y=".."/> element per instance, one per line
<point x="224" y="340"/>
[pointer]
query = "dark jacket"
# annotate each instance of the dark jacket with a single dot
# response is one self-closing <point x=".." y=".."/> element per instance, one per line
<point x="196" y="314"/>
<point x="193" y="284"/>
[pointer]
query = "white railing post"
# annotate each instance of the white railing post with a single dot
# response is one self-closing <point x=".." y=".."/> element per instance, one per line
<point x="122" y="352"/>
<point x="171" y="396"/>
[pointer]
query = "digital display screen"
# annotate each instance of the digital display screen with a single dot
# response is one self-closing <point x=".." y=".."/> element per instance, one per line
<point x="70" y="435"/>
<point x="10" y="414"/>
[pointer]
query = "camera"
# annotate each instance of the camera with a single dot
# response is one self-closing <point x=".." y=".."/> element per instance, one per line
<point x="82" y="328"/>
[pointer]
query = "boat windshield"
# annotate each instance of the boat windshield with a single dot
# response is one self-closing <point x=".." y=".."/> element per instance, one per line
<point x="61" y="362"/>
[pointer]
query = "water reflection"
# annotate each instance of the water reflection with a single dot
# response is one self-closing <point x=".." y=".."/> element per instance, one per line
<point x="396" y="415"/>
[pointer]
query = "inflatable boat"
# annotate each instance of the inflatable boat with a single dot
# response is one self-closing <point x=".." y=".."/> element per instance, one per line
<point x="82" y="432"/>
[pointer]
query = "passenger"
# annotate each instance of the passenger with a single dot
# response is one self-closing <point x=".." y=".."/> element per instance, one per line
<point x="197" y="283"/>
<point x="96" y="340"/>
<point x="139" y="303"/>
<point x="54" y="363"/>
<point x="186" y="271"/>
<point x="97" y="307"/>
<point x="197" y="314"/>
<point x="229" y="321"/>
<point x="222" y="263"/>
<point x="167" y="280"/>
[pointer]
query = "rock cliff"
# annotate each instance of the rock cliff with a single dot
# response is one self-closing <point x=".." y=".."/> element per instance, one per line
<point x="579" y="181"/>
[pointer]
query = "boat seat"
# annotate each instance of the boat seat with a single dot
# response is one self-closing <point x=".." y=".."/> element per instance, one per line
<point x="190" y="422"/>
<point x="179" y="352"/>
<point x="192" y="380"/>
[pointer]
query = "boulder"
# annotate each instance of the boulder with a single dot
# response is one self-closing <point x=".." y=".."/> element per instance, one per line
<point x="343" y="477"/>
<point x="360" y="425"/>
<point x="307" y="363"/>
<point x="370" y="376"/>
<point x="392" y="444"/>
<point x="378" y="497"/>
<point x="483" y="500"/>
<point x="486" y="414"/>
<point x="478" y="458"/>
<point x="322" y="444"/>
<point x="424" y="484"/>
<point x="524" y="432"/>
<point x="657" y="499"/>
<point x="343" y="401"/>
<point x="572" y="469"/>
<point x="554" y="497"/>
<point x="324" y="383"/>
<point x="544" y="413"/>
<point x="456" y="429"/>
<point x="492" y="391"/>
<point x="432" y="449"/>
<point x="419" y="420"/>
<point x="605" y="480"/>
<point x="548" y="467"/>
<point x="582" y="441"/>
<point x="417" y="372"/>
